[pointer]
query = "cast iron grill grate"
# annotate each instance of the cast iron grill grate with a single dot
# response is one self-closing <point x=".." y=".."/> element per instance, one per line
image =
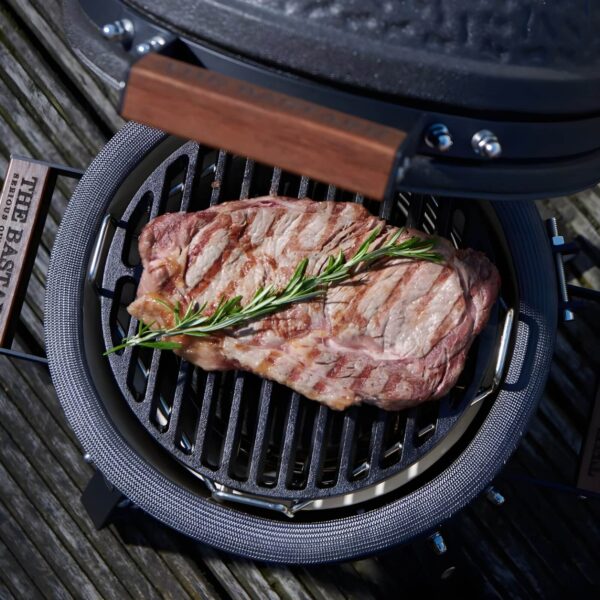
<point x="251" y="434"/>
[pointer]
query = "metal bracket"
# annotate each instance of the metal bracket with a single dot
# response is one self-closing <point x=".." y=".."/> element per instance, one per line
<point x="567" y="291"/>
<point x="24" y="203"/>
<point x="100" y="500"/>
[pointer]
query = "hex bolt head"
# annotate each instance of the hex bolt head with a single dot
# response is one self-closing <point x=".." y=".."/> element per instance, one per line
<point x="118" y="31"/>
<point x="438" y="137"/>
<point x="486" y="144"/>
<point x="154" y="43"/>
<point x="143" y="48"/>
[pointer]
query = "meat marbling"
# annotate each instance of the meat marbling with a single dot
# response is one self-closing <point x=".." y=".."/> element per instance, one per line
<point x="394" y="335"/>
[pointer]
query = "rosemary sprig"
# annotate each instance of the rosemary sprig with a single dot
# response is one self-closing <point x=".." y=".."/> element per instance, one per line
<point x="301" y="287"/>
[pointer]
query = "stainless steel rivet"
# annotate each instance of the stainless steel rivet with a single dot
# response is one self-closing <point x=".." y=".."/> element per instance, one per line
<point x="87" y="457"/>
<point x="485" y="143"/>
<point x="438" y="136"/>
<point x="118" y="31"/>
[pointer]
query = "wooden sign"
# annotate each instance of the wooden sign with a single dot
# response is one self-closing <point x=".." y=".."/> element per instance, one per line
<point x="589" y="469"/>
<point x="279" y="130"/>
<point x="23" y="208"/>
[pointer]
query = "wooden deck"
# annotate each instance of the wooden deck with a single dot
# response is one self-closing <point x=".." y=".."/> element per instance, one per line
<point x="540" y="543"/>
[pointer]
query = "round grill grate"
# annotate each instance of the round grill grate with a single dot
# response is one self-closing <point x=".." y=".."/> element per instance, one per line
<point x="249" y="434"/>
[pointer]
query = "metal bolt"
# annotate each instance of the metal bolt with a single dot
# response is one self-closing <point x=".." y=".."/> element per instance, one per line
<point x="557" y="241"/>
<point x="87" y="457"/>
<point x="154" y="43"/>
<point x="438" y="543"/>
<point x="485" y="143"/>
<point x="439" y="137"/>
<point x="118" y="31"/>
<point x="494" y="496"/>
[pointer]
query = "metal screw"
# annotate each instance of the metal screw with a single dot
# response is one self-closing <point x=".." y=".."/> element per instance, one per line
<point x="87" y="457"/>
<point x="438" y="137"/>
<point x="485" y="143"/>
<point x="494" y="496"/>
<point x="439" y="545"/>
<point x="118" y="31"/>
<point x="154" y="43"/>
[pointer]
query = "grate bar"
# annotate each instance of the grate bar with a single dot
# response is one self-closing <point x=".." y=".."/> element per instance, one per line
<point x="183" y="379"/>
<point x="318" y="445"/>
<point x="208" y="398"/>
<point x="275" y="179"/>
<point x="409" y="434"/>
<point x="415" y="211"/>
<point x="234" y="423"/>
<point x="150" y="393"/>
<point x="347" y="443"/>
<point x="387" y="206"/>
<point x="247" y="179"/>
<point x="376" y="442"/>
<point x="193" y="151"/>
<point x="331" y="190"/>
<point x="303" y="189"/>
<point x="286" y="466"/>
<point x="215" y="195"/>
<point x="258" y="447"/>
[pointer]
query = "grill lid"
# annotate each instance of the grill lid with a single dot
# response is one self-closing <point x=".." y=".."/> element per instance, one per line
<point x="527" y="56"/>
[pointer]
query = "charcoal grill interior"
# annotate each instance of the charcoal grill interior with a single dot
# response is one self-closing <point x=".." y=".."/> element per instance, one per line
<point x="252" y="435"/>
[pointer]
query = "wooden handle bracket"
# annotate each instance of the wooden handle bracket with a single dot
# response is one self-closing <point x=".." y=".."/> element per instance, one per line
<point x="280" y="130"/>
<point x="24" y="204"/>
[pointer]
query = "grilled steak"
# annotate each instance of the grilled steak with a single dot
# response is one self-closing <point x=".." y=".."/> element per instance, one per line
<point x="394" y="335"/>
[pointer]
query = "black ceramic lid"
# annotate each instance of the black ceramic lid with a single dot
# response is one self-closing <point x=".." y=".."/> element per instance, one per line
<point x="531" y="56"/>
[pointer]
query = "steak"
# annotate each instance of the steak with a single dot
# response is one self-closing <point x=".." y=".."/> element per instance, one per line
<point x="395" y="334"/>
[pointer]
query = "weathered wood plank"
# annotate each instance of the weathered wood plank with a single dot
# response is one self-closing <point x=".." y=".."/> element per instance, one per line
<point x="5" y="593"/>
<point x="45" y="22"/>
<point x="15" y="579"/>
<point x="15" y="533"/>
<point x="33" y="494"/>
<point x="286" y="585"/>
<point x="176" y="552"/>
<point x="492" y="559"/>
<point x="44" y="79"/>
<point x="49" y="457"/>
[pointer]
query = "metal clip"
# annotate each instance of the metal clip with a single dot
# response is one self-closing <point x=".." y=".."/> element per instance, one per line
<point x="500" y="358"/>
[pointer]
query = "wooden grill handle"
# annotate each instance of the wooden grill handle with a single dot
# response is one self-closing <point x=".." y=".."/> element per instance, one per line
<point x="273" y="128"/>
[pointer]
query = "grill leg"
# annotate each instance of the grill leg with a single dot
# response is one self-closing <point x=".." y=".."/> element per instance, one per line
<point x="100" y="500"/>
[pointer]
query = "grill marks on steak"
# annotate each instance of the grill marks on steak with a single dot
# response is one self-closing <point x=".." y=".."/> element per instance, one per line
<point x="394" y="335"/>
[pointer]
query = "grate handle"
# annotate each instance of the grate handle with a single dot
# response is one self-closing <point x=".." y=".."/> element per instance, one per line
<point x="299" y="136"/>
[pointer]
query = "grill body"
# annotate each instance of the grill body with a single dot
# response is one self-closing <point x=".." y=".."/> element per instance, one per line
<point x="121" y="443"/>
